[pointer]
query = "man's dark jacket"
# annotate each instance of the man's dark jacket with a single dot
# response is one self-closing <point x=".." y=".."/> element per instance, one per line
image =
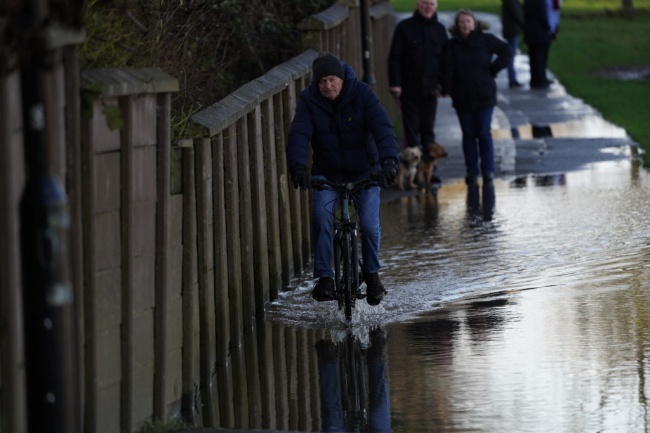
<point x="349" y="137"/>
<point x="512" y="18"/>
<point x="470" y="67"/>
<point x="413" y="61"/>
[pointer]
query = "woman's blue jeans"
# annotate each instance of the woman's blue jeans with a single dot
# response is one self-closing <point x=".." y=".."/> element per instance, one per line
<point x="367" y="206"/>
<point x="478" y="147"/>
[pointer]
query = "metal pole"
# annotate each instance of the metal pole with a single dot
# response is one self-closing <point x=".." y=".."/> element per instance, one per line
<point x="50" y="361"/>
<point x="366" y="43"/>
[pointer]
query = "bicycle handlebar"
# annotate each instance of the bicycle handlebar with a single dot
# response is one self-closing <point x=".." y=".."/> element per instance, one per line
<point x="369" y="182"/>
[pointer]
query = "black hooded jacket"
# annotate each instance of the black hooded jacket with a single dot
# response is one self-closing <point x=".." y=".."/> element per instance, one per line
<point x="413" y="62"/>
<point x="470" y="66"/>
<point x="349" y="138"/>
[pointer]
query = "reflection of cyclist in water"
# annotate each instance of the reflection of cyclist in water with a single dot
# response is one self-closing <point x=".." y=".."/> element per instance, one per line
<point x="332" y="408"/>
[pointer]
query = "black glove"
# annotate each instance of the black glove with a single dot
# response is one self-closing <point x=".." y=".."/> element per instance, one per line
<point x="299" y="177"/>
<point x="388" y="172"/>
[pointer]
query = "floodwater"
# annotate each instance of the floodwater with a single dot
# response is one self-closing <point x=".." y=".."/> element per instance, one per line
<point x="535" y="321"/>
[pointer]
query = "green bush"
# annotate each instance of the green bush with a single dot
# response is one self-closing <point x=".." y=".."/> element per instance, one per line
<point x="212" y="47"/>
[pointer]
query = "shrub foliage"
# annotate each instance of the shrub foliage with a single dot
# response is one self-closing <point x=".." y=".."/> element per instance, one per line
<point x="211" y="46"/>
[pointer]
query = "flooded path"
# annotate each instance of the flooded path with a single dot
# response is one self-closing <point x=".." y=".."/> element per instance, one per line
<point x="536" y="321"/>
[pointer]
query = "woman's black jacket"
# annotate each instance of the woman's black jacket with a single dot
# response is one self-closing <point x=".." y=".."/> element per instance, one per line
<point x="470" y="66"/>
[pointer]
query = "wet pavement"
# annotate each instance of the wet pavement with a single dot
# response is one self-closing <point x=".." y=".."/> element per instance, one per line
<point x="537" y="320"/>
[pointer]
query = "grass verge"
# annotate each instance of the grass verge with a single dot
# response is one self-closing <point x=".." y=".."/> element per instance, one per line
<point x="594" y="36"/>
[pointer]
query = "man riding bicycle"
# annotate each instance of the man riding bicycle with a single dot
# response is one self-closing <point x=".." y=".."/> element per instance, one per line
<point x="351" y="136"/>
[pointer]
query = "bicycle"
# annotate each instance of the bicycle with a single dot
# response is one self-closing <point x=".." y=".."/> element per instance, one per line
<point x="347" y="264"/>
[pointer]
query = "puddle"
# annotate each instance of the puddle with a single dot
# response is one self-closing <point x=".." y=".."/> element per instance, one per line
<point x="626" y="73"/>
<point x="587" y="127"/>
<point x="534" y="321"/>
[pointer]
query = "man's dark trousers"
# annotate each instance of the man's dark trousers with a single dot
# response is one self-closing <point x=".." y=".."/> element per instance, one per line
<point x="418" y="118"/>
<point x="538" y="57"/>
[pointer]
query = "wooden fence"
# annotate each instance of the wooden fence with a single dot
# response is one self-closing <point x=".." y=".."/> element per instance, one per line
<point x="175" y="247"/>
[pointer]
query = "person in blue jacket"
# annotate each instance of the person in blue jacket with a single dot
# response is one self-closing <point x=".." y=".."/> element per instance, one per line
<point x="472" y="59"/>
<point x="351" y="136"/>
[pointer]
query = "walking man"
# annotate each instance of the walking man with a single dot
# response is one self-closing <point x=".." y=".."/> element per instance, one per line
<point x="414" y="71"/>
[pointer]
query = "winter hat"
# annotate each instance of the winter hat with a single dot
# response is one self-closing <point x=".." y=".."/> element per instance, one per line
<point x="327" y="64"/>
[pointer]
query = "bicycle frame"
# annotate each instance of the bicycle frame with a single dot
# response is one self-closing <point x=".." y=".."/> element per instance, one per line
<point x="346" y="257"/>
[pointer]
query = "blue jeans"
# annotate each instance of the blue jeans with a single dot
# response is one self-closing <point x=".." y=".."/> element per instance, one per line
<point x="513" y="41"/>
<point x="367" y="205"/>
<point x="330" y="390"/>
<point x="477" y="141"/>
<point x="332" y="413"/>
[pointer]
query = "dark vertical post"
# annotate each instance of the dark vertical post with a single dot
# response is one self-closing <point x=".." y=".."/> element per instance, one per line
<point x="51" y="373"/>
<point x="366" y="43"/>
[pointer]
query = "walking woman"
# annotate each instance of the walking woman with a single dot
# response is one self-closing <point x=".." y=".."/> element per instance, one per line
<point x="471" y="61"/>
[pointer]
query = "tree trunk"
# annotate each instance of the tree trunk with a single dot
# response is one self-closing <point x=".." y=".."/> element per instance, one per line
<point x="628" y="5"/>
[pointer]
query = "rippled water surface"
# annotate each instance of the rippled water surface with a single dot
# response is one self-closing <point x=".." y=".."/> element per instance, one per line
<point x="536" y="321"/>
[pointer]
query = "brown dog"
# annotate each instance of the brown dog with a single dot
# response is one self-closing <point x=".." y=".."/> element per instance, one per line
<point x="409" y="160"/>
<point x="429" y="160"/>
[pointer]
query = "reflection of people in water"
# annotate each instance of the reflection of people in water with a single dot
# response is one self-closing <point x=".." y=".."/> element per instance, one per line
<point x="332" y="413"/>
<point x="484" y="318"/>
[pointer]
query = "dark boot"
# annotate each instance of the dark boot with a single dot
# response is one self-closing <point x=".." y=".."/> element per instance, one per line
<point x="488" y="177"/>
<point x="489" y="200"/>
<point x="324" y="290"/>
<point x="488" y="196"/>
<point x="375" y="291"/>
<point x="473" y="199"/>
